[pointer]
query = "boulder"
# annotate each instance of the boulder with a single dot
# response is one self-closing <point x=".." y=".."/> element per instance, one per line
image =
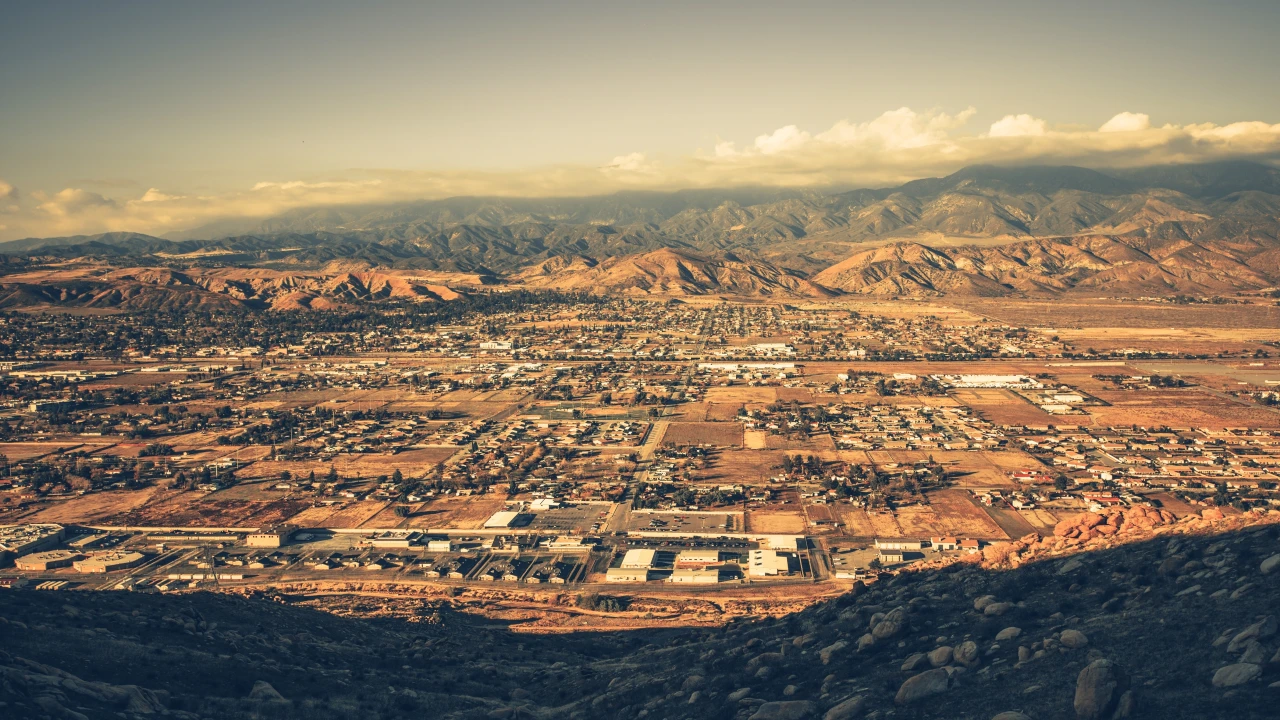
<point x="940" y="656"/>
<point x="1260" y="630"/>
<point x="738" y="694"/>
<point x="1008" y="633"/>
<point x="966" y="653"/>
<point x="1098" y="690"/>
<point x="1238" y="674"/>
<point x="1012" y="715"/>
<point x="925" y="685"/>
<point x="847" y="709"/>
<point x="1271" y="564"/>
<point x="262" y="690"/>
<point x="997" y="608"/>
<point x="913" y="662"/>
<point x="1073" y="639"/>
<point x="826" y="653"/>
<point x="981" y="603"/>
<point x="891" y="625"/>
<point x="785" y="710"/>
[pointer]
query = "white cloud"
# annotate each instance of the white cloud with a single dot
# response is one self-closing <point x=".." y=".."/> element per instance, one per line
<point x="782" y="140"/>
<point x="71" y="201"/>
<point x="1017" y="126"/>
<point x="631" y="162"/>
<point x="7" y="191"/>
<point x="1126" y="122"/>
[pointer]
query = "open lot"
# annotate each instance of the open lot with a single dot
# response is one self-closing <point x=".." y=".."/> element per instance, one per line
<point x="717" y="434"/>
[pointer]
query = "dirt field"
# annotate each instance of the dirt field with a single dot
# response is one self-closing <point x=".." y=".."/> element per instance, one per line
<point x="1004" y="407"/>
<point x="30" y="450"/>
<point x="722" y="410"/>
<point x="96" y="507"/>
<point x="412" y="463"/>
<point x="779" y="522"/>
<point x="1186" y="408"/>
<point x="460" y="513"/>
<point x="1103" y="314"/>
<point x="718" y="434"/>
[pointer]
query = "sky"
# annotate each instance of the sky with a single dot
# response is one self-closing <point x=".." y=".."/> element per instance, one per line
<point x="161" y="116"/>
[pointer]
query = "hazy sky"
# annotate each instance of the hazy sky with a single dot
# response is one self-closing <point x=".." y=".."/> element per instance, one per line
<point x="218" y="108"/>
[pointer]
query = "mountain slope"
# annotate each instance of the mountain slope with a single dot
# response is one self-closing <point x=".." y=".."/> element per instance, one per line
<point x="1177" y="619"/>
<point x="669" y="272"/>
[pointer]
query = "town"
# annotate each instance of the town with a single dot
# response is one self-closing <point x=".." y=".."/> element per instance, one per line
<point x="565" y="440"/>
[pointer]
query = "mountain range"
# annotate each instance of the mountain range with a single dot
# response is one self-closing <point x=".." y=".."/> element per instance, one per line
<point x="984" y="230"/>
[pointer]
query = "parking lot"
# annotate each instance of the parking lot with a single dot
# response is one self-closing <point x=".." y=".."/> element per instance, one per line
<point x="576" y="518"/>
<point x="685" y="523"/>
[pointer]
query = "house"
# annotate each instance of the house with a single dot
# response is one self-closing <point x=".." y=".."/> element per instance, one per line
<point x="944" y="543"/>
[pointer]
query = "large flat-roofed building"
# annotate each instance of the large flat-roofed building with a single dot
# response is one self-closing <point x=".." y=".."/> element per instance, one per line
<point x="270" y="537"/>
<point x="106" y="562"/>
<point x="47" y="560"/>
<point x="767" y="563"/>
<point x="624" y="575"/>
<point x="694" y="576"/>
<point x="506" y="519"/>
<point x="18" y="540"/>
<point x="639" y="559"/>
<point x="697" y="558"/>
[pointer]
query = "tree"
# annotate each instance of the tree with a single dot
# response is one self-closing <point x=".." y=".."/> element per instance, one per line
<point x="1060" y="483"/>
<point x="332" y="476"/>
<point x="397" y="477"/>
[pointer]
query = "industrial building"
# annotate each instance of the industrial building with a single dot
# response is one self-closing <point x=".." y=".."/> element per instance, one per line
<point x="47" y="560"/>
<point x="623" y="575"/>
<point x="639" y="559"/>
<point x="697" y="558"/>
<point x="271" y="537"/>
<point x="18" y="540"/>
<point x="111" y="561"/>
<point x="768" y="563"/>
<point x="507" y="519"/>
<point x="695" y="576"/>
<point x="395" y="538"/>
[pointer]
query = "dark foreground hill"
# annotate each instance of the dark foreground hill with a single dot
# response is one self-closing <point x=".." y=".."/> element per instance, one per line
<point x="1180" y="624"/>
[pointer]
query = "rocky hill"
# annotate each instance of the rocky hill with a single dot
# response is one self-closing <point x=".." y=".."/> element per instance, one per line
<point x="1121" y="615"/>
<point x="670" y="272"/>
<point x="167" y="289"/>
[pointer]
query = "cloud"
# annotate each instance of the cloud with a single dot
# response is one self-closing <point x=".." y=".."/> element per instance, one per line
<point x="629" y="163"/>
<point x="71" y="201"/>
<point x="1126" y="122"/>
<point x="888" y="149"/>
<point x="1017" y="126"/>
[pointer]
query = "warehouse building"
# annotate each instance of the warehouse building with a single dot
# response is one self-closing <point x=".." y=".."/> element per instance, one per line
<point x="768" y="563"/>
<point x="626" y="575"/>
<point x="639" y="559"/>
<point x="697" y="558"/>
<point x="271" y="537"/>
<point x="695" y="576"/>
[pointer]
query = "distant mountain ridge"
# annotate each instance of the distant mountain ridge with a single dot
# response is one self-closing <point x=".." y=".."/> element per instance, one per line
<point x="1196" y="228"/>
